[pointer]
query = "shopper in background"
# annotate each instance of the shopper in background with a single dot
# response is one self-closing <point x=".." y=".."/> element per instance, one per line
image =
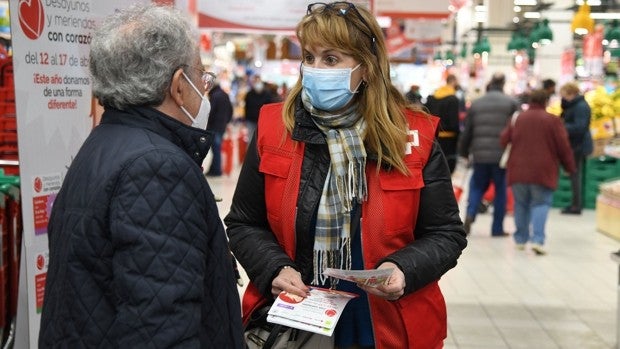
<point x="485" y="119"/>
<point x="445" y="104"/>
<point x="548" y="85"/>
<point x="219" y="117"/>
<point x="138" y="253"/>
<point x="539" y="145"/>
<point x="257" y="96"/>
<point x="344" y="122"/>
<point x="413" y="95"/>
<point x="576" y="116"/>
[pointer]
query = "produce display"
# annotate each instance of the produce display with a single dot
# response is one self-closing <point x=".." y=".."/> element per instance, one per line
<point x="605" y="112"/>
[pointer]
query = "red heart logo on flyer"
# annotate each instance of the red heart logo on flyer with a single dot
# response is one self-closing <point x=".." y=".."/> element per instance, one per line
<point x="31" y="18"/>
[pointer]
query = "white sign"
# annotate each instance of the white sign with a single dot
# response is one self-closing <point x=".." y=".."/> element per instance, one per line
<point x="413" y="9"/>
<point x="54" y="111"/>
<point x="269" y="16"/>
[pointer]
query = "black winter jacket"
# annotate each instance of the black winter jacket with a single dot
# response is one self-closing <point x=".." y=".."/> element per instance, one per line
<point x="138" y="254"/>
<point x="221" y="110"/>
<point x="447" y="109"/>
<point x="262" y="257"/>
<point x="485" y="120"/>
<point x="576" y="115"/>
<point x="254" y="101"/>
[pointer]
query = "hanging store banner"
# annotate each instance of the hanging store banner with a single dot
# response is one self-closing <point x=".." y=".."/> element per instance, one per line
<point x="258" y="16"/>
<point x="406" y="35"/>
<point x="55" y="113"/>
<point x="413" y="9"/>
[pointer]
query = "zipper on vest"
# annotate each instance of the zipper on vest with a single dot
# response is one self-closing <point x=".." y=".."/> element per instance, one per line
<point x="295" y="232"/>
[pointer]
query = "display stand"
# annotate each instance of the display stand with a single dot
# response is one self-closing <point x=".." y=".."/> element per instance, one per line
<point x="615" y="256"/>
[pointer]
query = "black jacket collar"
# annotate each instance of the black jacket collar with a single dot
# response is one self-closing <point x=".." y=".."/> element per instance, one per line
<point x="305" y="130"/>
<point x="195" y="142"/>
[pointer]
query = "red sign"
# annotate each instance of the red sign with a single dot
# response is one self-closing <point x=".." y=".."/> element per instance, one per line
<point x="39" y="282"/>
<point x="31" y="18"/>
<point x="42" y="207"/>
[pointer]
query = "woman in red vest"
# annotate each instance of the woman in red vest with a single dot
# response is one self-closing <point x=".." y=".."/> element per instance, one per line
<point x="345" y="174"/>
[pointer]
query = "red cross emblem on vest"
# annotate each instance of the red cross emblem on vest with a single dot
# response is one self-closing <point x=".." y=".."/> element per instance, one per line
<point x="413" y="140"/>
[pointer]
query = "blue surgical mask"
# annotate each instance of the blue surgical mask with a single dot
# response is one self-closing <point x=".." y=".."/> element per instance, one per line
<point x="328" y="89"/>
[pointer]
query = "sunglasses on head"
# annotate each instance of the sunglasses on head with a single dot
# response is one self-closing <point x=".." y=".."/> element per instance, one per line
<point x="341" y="8"/>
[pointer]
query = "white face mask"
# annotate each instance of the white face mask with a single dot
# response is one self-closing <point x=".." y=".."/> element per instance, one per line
<point x="202" y="118"/>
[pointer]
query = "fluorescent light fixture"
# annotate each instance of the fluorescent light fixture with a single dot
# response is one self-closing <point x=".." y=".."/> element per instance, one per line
<point x="603" y="15"/>
<point x="531" y="15"/>
<point x="525" y="2"/>
<point x="589" y="2"/>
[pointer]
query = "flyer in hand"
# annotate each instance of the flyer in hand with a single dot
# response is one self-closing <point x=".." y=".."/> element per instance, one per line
<point x="369" y="277"/>
<point x="318" y="313"/>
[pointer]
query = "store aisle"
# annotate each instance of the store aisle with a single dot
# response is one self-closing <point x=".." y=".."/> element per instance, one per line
<point x="499" y="297"/>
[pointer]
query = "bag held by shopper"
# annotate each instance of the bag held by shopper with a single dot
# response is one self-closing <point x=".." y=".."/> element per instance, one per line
<point x="503" y="161"/>
<point x="260" y="334"/>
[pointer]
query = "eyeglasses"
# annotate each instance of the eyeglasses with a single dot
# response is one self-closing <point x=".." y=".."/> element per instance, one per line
<point x="341" y="8"/>
<point x="208" y="78"/>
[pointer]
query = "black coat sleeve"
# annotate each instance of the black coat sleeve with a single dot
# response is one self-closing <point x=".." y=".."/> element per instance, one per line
<point x="251" y="239"/>
<point x="439" y="234"/>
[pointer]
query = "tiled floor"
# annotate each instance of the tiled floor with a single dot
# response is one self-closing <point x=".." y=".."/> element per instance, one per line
<point x="499" y="297"/>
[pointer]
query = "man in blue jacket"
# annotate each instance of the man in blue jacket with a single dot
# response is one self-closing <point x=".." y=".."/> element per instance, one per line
<point x="576" y="115"/>
<point x="138" y="253"/>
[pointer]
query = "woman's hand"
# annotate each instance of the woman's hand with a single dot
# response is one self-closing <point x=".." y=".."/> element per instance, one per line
<point x="289" y="280"/>
<point x="393" y="288"/>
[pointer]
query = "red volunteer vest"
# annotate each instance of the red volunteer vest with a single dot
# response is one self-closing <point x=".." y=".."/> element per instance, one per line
<point x="417" y="320"/>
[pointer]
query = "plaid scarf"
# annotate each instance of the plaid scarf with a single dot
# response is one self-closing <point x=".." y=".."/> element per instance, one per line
<point x="346" y="181"/>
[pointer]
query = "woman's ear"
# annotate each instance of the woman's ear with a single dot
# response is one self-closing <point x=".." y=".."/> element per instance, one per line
<point x="364" y="74"/>
<point x="177" y="88"/>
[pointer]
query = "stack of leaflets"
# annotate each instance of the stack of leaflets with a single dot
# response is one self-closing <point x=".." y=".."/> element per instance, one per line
<point x="372" y="277"/>
<point x="320" y="311"/>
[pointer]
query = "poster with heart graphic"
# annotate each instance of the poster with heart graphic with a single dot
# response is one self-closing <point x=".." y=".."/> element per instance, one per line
<point x="54" y="111"/>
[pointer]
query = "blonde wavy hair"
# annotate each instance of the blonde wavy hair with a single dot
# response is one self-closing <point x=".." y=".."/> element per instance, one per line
<point x="380" y="103"/>
<point x="570" y="88"/>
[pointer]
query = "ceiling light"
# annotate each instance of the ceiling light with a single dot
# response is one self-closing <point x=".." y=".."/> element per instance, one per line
<point x="545" y="35"/>
<point x="531" y="15"/>
<point x="602" y="15"/>
<point x="612" y="34"/>
<point x="589" y="2"/>
<point x="582" y="22"/>
<point x="525" y="2"/>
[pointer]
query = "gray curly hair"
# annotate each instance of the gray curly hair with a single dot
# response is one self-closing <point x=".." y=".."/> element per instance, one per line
<point x="135" y="52"/>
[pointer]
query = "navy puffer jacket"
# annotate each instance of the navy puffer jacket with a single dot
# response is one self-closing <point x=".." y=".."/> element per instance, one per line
<point x="138" y="253"/>
<point x="576" y="115"/>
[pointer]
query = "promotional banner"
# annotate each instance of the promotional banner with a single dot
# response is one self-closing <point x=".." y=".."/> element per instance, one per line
<point x="412" y="35"/>
<point x="55" y="113"/>
<point x="413" y="9"/>
<point x="260" y="16"/>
